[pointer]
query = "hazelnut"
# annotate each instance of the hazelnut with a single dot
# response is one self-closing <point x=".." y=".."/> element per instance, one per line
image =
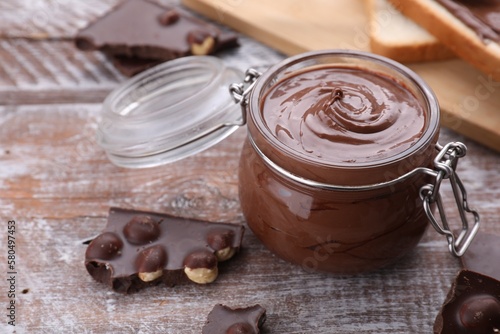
<point x="480" y="314"/>
<point x="225" y="254"/>
<point x="141" y="230"/>
<point x="150" y="263"/>
<point x="201" y="275"/>
<point x="106" y="246"/>
<point x="148" y="277"/>
<point x="201" y="267"/>
<point x="201" y="42"/>
<point x="221" y="241"/>
<point x="169" y="17"/>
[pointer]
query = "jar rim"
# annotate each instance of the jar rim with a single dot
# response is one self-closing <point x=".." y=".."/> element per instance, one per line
<point x="169" y="112"/>
<point x="207" y="64"/>
<point x="430" y="130"/>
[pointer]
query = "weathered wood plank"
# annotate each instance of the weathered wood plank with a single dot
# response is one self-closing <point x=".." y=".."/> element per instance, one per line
<point x="42" y="19"/>
<point x="49" y="71"/>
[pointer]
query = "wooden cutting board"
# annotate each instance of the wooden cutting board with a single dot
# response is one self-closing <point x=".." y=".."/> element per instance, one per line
<point x="469" y="100"/>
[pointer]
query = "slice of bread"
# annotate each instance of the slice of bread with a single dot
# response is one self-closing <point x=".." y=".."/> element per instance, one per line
<point x="395" y="36"/>
<point x="452" y="32"/>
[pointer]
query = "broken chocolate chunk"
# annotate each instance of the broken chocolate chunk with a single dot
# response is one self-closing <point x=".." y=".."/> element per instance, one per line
<point x="147" y="30"/>
<point x="138" y="248"/>
<point x="224" y="320"/>
<point x="483" y="255"/>
<point x="471" y="307"/>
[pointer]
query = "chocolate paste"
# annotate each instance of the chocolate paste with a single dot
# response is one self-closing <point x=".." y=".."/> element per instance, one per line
<point x="482" y="16"/>
<point x="343" y="115"/>
<point x="337" y="125"/>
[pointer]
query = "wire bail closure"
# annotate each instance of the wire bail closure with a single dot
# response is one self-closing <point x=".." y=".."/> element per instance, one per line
<point x="240" y="91"/>
<point x="445" y="163"/>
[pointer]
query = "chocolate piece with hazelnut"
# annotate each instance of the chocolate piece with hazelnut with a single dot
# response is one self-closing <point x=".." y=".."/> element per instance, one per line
<point x="223" y="319"/>
<point x="471" y="307"/>
<point x="139" y="249"/>
<point x="138" y="34"/>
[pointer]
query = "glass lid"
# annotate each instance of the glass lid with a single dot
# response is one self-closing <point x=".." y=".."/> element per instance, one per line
<point x="169" y="112"/>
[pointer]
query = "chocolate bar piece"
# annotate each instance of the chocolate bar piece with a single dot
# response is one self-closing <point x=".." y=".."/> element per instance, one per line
<point x="138" y="248"/>
<point x="130" y="66"/>
<point x="471" y="307"/>
<point x="483" y="255"/>
<point x="223" y="319"/>
<point x="144" y="29"/>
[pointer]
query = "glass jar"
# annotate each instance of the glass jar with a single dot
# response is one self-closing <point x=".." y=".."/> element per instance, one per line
<point x="343" y="217"/>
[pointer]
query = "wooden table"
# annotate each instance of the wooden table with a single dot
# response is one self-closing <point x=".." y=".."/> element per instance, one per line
<point x="57" y="185"/>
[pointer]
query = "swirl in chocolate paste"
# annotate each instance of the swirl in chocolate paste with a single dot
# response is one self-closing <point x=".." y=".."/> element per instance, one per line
<point x="343" y="115"/>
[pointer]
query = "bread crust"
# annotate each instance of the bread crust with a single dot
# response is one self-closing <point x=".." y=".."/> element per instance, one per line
<point x="452" y="32"/>
<point x="402" y="50"/>
<point x="410" y="53"/>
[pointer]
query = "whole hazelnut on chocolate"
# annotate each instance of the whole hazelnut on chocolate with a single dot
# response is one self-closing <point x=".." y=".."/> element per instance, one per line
<point x="169" y="17"/>
<point x="201" y="42"/>
<point x="221" y="241"/>
<point x="150" y="263"/>
<point x="141" y="230"/>
<point x="480" y="314"/>
<point x="201" y="267"/>
<point x="106" y="246"/>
